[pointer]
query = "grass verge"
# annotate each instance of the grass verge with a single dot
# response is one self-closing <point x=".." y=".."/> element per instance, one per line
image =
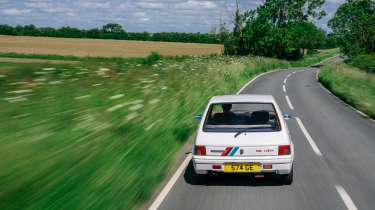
<point x="364" y="62"/>
<point x="352" y="85"/>
<point x="100" y="134"/>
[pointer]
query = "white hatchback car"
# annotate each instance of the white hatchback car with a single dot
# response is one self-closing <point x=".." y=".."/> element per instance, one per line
<point x="244" y="134"/>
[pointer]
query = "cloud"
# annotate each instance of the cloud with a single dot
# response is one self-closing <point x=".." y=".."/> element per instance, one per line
<point x="134" y="15"/>
<point x="95" y="4"/>
<point x="16" y="12"/>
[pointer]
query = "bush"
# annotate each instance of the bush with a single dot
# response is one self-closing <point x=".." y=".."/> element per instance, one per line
<point x="152" y="58"/>
<point x="365" y="62"/>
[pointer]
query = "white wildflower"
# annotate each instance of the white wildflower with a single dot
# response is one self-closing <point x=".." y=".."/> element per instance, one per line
<point x="131" y="116"/>
<point x="49" y="69"/>
<point x="18" y="83"/>
<point x="150" y="126"/>
<point x="56" y="82"/>
<point x="104" y="69"/>
<point x="119" y="106"/>
<point x="40" y="72"/>
<point x="154" y="101"/>
<point x="136" y="107"/>
<point x="18" y="100"/>
<point x="147" y="81"/>
<point x="40" y="80"/>
<point x="21" y="91"/>
<point x="147" y="86"/>
<point x="82" y="97"/>
<point x="116" y="96"/>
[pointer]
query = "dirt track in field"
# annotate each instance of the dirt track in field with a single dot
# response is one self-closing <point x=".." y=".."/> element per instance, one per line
<point x="103" y="48"/>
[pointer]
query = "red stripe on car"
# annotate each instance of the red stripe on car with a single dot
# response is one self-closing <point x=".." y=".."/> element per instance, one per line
<point x="226" y="151"/>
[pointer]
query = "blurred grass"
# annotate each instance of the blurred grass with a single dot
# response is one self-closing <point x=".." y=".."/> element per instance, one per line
<point x="364" y="62"/>
<point x="354" y="86"/>
<point x="38" y="56"/>
<point x="100" y="134"/>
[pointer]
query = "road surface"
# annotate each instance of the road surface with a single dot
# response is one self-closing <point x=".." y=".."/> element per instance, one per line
<point x="334" y="156"/>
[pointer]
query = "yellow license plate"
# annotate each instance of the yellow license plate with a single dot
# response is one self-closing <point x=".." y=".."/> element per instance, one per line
<point x="242" y="168"/>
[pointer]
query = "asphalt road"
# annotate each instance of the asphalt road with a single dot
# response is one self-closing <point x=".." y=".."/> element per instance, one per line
<point x="342" y="176"/>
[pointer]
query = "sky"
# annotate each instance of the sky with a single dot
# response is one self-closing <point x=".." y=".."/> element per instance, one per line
<point x="133" y="15"/>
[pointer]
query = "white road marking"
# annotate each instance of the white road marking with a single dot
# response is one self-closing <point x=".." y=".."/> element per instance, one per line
<point x="284" y="89"/>
<point x="286" y="78"/>
<point x="289" y="103"/>
<point x="346" y="198"/>
<point x="155" y="205"/>
<point x="249" y="82"/>
<point x="308" y="137"/>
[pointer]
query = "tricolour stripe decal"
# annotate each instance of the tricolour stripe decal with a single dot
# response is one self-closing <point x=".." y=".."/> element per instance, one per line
<point x="234" y="150"/>
<point x="226" y="151"/>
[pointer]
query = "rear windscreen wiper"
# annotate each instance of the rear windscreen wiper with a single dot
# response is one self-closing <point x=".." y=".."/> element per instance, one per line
<point x="239" y="132"/>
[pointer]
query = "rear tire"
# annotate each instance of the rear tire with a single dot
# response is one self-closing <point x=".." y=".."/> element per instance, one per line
<point x="287" y="179"/>
<point x="200" y="178"/>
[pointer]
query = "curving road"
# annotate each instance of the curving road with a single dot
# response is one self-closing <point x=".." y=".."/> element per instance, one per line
<point x="334" y="157"/>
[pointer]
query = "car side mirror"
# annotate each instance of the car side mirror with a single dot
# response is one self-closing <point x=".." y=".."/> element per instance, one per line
<point x="287" y="116"/>
<point x="198" y="117"/>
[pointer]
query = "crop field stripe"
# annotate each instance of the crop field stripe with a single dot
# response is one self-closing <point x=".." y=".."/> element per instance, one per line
<point x="100" y="47"/>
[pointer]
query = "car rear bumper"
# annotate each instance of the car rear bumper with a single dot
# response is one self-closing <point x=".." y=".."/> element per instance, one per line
<point x="280" y="165"/>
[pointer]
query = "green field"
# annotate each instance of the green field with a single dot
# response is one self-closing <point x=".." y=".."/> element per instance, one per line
<point x="356" y="87"/>
<point x="101" y="134"/>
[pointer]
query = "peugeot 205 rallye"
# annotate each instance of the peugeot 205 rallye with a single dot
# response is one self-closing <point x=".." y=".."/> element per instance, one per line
<point x="243" y="134"/>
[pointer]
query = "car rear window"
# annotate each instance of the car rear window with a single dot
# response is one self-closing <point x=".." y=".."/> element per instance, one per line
<point x="234" y="117"/>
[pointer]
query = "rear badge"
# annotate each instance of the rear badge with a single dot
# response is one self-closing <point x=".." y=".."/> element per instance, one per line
<point x="241" y="151"/>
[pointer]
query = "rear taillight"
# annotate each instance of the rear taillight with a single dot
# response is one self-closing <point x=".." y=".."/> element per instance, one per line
<point x="199" y="150"/>
<point x="284" y="150"/>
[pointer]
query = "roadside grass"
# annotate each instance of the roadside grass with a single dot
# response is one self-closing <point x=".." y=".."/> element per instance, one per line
<point x="316" y="57"/>
<point x="38" y="56"/>
<point x="354" y="86"/>
<point x="364" y="62"/>
<point x="100" y="134"/>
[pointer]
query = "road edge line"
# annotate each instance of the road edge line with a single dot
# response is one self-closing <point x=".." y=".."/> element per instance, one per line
<point x="346" y="198"/>
<point x="164" y="192"/>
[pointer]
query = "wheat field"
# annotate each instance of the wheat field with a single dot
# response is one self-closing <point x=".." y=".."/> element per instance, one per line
<point x="102" y="48"/>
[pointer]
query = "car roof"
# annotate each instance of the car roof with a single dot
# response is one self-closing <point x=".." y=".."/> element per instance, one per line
<point x="242" y="98"/>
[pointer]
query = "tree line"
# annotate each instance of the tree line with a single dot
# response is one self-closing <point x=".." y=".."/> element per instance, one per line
<point x="109" y="31"/>
<point x="354" y="26"/>
<point x="285" y="29"/>
<point x="279" y="28"/>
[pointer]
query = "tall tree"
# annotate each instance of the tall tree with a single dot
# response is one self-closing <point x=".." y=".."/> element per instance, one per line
<point x="354" y="24"/>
